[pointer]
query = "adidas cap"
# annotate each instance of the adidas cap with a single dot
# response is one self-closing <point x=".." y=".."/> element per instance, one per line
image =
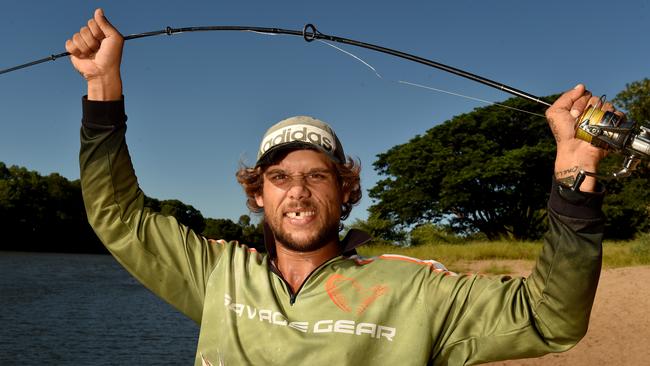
<point x="300" y="132"/>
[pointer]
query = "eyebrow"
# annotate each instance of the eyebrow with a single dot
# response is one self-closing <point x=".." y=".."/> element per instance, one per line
<point x="282" y="171"/>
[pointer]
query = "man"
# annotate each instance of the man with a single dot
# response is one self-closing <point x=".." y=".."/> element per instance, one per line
<point x="312" y="300"/>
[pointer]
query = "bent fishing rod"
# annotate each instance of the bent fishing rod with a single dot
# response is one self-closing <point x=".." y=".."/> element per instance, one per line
<point x="596" y="126"/>
<point x="309" y="33"/>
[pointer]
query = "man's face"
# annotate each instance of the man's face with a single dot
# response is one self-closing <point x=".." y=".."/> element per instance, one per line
<point x="302" y="199"/>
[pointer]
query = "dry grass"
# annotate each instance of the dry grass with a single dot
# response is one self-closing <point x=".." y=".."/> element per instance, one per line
<point x="615" y="254"/>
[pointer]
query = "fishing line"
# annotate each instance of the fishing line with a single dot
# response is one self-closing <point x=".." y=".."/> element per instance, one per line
<point x="355" y="57"/>
<point x="374" y="70"/>
<point x="469" y="97"/>
<point x="263" y="33"/>
<point x="428" y="87"/>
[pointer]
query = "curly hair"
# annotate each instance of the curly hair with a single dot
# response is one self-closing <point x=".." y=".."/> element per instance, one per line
<point x="347" y="174"/>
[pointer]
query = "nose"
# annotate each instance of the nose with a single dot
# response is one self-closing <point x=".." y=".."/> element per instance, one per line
<point x="299" y="188"/>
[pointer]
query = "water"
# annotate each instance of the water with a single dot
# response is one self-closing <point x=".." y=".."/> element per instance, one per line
<point x="71" y="309"/>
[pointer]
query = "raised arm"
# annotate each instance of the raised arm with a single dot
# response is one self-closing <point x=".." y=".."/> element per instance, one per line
<point x="495" y="319"/>
<point x="167" y="257"/>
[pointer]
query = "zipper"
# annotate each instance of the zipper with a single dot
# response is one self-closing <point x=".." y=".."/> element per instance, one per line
<point x="292" y="295"/>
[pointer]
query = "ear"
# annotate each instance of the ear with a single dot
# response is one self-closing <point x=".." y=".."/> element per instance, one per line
<point x="259" y="200"/>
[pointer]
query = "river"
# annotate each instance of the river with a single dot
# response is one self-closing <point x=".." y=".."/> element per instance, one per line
<point x="73" y="309"/>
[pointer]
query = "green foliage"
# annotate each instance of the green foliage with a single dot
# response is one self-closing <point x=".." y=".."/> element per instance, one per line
<point x="185" y="214"/>
<point x="635" y="99"/>
<point x="252" y="235"/>
<point x="435" y="234"/>
<point x="641" y="248"/>
<point x="627" y="204"/>
<point x="243" y="231"/>
<point x="487" y="171"/>
<point x="40" y="213"/>
<point x="222" y="229"/>
<point x="635" y="252"/>
<point x="381" y="230"/>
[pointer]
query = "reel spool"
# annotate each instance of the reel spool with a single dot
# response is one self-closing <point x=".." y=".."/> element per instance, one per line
<point x="609" y="131"/>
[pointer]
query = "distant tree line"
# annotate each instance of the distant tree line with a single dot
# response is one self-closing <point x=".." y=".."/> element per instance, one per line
<point x="46" y="214"/>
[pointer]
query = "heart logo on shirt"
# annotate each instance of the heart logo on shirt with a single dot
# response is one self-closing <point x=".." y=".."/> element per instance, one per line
<point x="349" y="295"/>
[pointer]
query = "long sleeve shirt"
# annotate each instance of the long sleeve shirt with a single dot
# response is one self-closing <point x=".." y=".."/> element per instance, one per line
<point x="385" y="310"/>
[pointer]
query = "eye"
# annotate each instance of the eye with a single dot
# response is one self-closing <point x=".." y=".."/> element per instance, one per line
<point x="317" y="176"/>
<point x="278" y="177"/>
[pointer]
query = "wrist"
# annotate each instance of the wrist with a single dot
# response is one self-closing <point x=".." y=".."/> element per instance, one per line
<point x="105" y="88"/>
<point x="574" y="177"/>
<point x="570" y="162"/>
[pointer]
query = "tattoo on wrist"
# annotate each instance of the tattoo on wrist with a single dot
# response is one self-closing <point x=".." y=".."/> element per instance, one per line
<point x="567" y="177"/>
<point x="569" y="171"/>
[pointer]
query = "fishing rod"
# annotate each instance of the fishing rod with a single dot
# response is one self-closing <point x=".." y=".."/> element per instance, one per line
<point x="596" y="126"/>
<point x="309" y="34"/>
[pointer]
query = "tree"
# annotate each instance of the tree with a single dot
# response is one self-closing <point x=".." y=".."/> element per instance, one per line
<point x="438" y="234"/>
<point x="252" y="235"/>
<point x="627" y="204"/>
<point x="487" y="171"/>
<point x="381" y="230"/>
<point x="185" y="214"/>
<point x="635" y="99"/>
<point x="43" y="213"/>
<point x="47" y="214"/>
<point x="222" y="229"/>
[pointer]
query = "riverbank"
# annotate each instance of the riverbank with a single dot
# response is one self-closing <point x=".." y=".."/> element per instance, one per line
<point x="620" y="325"/>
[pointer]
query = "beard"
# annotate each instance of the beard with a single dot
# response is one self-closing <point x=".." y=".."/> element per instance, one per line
<point x="325" y="233"/>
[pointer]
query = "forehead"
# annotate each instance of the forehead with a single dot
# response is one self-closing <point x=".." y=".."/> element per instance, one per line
<point x="302" y="161"/>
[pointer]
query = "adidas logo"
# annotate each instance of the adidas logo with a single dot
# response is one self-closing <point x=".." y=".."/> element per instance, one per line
<point x="304" y="133"/>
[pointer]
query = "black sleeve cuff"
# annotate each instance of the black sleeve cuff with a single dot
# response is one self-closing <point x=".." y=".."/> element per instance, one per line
<point x="576" y="204"/>
<point x="103" y="115"/>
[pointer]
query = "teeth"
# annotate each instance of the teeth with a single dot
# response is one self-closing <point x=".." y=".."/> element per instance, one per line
<point x="299" y="214"/>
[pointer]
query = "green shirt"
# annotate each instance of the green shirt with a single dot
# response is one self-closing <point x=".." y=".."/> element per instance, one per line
<point x="388" y="310"/>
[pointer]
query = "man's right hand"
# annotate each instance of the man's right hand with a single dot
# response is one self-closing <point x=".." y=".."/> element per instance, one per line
<point x="573" y="154"/>
<point x="96" y="52"/>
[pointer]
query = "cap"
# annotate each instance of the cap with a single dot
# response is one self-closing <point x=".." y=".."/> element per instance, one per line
<point x="300" y="132"/>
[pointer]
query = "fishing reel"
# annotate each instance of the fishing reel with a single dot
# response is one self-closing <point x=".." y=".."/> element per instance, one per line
<point x="610" y="131"/>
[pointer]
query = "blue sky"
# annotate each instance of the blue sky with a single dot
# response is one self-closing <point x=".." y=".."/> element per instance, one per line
<point x="198" y="103"/>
